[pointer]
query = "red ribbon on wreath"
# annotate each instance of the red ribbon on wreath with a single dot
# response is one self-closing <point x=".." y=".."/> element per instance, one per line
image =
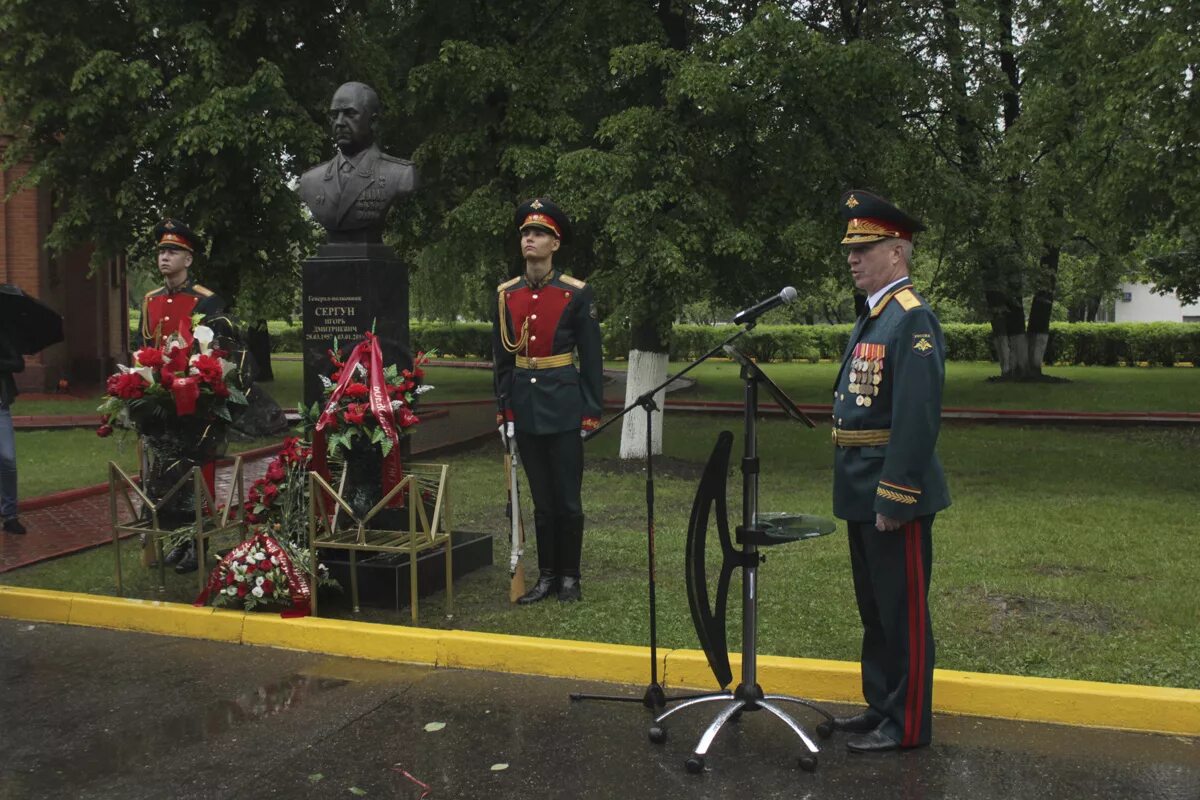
<point x="367" y="354"/>
<point x="298" y="588"/>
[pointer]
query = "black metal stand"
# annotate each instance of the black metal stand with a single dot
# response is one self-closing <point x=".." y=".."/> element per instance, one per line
<point x="748" y="696"/>
<point x="654" y="697"/>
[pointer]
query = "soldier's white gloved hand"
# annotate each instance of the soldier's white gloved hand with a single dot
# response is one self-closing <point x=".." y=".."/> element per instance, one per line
<point x="582" y="433"/>
<point x="506" y="431"/>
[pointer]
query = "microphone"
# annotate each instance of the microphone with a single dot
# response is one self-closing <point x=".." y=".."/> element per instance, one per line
<point x="755" y="311"/>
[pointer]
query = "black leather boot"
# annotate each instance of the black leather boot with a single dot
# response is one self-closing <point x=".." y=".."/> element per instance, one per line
<point x="188" y="563"/>
<point x="177" y="553"/>
<point x="569" y="590"/>
<point x="570" y="549"/>
<point x="547" y="585"/>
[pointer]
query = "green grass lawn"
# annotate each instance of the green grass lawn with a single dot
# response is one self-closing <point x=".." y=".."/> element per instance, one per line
<point x="1065" y="553"/>
<point x="1087" y="389"/>
<point x="967" y="386"/>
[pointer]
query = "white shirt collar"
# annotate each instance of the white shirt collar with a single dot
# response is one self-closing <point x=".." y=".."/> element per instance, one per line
<point x="874" y="299"/>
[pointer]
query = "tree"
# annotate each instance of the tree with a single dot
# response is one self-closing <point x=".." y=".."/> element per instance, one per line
<point x="133" y="110"/>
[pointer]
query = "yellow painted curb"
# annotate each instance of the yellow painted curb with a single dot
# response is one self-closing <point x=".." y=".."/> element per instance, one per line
<point x="152" y="616"/>
<point x="40" y="605"/>
<point x="1085" y="703"/>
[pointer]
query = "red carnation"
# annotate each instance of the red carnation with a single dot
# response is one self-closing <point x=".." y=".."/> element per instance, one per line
<point x="127" y="386"/>
<point x="357" y="390"/>
<point x="210" y="369"/>
<point x="275" y="471"/>
<point x="356" y="413"/>
<point x="149" y="357"/>
<point x="268" y="586"/>
<point x="269" y="492"/>
<point x="229" y="579"/>
<point x="104" y="430"/>
<point x="242" y="589"/>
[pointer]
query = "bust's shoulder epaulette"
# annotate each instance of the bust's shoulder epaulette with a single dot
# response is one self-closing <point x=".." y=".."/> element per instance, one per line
<point x="570" y="281"/>
<point x="907" y="298"/>
<point x="203" y="291"/>
<point x="395" y="160"/>
<point x="508" y="284"/>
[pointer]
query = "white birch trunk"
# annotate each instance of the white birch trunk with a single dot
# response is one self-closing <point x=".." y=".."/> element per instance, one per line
<point x="646" y="370"/>
<point x="1037" y="352"/>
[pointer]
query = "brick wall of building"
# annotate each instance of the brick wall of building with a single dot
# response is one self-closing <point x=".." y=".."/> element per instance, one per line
<point x="92" y="306"/>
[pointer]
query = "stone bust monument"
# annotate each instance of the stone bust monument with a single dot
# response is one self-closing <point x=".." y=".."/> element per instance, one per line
<point x="350" y="195"/>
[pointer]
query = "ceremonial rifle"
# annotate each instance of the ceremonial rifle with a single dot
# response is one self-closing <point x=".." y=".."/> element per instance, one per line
<point x="516" y="559"/>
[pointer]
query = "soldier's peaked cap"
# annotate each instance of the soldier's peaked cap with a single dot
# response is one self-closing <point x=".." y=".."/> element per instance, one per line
<point x="172" y="233"/>
<point x="542" y="212"/>
<point x="870" y="218"/>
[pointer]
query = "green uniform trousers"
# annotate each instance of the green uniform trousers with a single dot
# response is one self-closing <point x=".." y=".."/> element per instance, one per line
<point x="891" y="584"/>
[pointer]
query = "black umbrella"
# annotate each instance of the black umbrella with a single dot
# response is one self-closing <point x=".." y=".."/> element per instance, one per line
<point x="27" y="322"/>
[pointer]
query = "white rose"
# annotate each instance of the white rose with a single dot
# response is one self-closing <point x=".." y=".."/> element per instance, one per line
<point x="259" y="580"/>
<point x="257" y="591"/>
<point x="231" y="590"/>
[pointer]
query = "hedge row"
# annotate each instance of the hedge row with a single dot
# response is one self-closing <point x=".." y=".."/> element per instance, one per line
<point x="1103" y="343"/>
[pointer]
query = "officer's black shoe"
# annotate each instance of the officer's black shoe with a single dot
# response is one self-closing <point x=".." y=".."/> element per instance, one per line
<point x="874" y="742"/>
<point x="177" y="553"/>
<point x="188" y="563"/>
<point x="541" y="590"/>
<point x="13" y="525"/>
<point x="569" y="591"/>
<point x="862" y="722"/>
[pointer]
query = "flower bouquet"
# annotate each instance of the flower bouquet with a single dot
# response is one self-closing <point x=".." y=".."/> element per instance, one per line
<point x="178" y="398"/>
<point x="367" y="408"/>
<point x="180" y="383"/>
<point x="260" y="571"/>
<point x="277" y="511"/>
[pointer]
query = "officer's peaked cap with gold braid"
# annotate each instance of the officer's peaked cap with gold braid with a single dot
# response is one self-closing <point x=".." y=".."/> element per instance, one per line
<point x="542" y="212"/>
<point x="870" y="218"/>
<point x="176" y="235"/>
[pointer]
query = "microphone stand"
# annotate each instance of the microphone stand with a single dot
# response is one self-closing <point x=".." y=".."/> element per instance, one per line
<point x="654" y="697"/>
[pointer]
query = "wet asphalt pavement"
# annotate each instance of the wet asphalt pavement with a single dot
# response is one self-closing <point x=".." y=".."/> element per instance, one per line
<point x="90" y="713"/>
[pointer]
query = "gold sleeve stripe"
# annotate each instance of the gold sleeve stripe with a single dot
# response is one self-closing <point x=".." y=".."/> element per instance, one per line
<point x="900" y="486"/>
<point x="896" y="497"/>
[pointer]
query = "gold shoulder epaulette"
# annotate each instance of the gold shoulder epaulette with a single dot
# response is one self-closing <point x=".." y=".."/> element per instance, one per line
<point x="151" y="293"/>
<point x="569" y="281"/>
<point x="907" y="299"/>
<point x="508" y="284"/>
<point x="203" y="291"/>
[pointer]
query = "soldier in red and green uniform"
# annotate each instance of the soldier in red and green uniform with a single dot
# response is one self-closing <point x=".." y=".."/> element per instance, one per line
<point x="169" y="309"/>
<point x="545" y="318"/>
<point x="887" y="480"/>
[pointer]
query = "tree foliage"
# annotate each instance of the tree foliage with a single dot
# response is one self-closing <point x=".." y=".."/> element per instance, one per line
<point x="699" y="146"/>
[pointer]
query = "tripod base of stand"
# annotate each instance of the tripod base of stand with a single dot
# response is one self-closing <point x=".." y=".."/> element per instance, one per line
<point x="738" y="702"/>
<point x="654" y="698"/>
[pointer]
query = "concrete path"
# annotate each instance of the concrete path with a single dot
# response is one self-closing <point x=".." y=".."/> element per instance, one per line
<point x="93" y="713"/>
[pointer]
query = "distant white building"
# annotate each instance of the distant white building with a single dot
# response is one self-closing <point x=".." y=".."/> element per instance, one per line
<point x="1137" y="302"/>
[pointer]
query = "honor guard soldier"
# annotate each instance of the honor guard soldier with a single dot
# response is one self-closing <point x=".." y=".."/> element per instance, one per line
<point x="887" y="480"/>
<point x="545" y="401"/>
<point x="169" y="309"/>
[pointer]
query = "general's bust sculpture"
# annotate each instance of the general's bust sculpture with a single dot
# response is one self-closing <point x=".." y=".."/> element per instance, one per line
<point x="351" y="194"/>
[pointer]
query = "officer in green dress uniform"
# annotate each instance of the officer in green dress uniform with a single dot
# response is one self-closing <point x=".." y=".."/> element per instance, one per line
<point x="543" y="319"/>
<point x="168" y="309"/>
<point x="887" y="480"/>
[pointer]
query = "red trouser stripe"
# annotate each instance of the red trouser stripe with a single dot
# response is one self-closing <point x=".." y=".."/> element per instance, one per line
<point x="916" y="642"/>
<point x="923" y="616"/>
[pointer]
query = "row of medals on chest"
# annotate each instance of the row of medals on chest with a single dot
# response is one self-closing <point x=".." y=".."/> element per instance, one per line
<point x="865" y="376"/>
